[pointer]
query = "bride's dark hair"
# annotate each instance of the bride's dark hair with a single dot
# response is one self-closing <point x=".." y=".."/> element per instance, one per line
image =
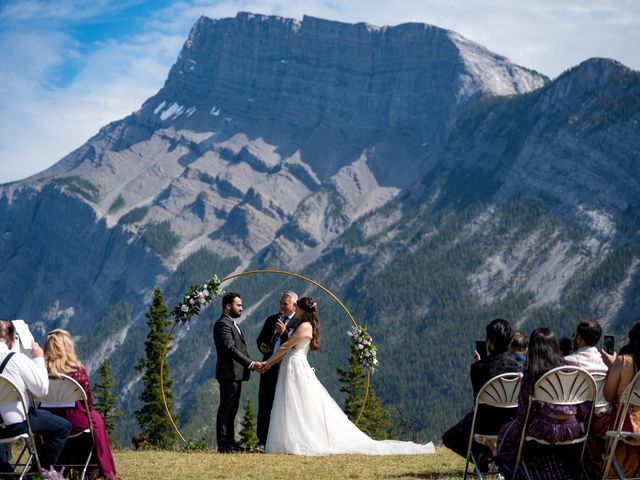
<point x="309" y="310"/>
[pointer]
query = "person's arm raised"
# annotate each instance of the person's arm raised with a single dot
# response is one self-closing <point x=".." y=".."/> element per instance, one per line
<point x="303" y="332"/>
<point x="612" y="382"/>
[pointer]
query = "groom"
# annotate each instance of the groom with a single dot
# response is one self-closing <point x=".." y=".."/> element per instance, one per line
<point x="275" y="332"/>
<point x="232" y="368"/>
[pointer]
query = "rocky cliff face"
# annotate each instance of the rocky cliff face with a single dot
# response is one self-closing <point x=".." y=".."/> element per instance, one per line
<point x="375" y="159"/>
<point x="268" y="122"/>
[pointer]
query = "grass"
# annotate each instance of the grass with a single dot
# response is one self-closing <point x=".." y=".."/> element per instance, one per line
<point x="134" y="465"/>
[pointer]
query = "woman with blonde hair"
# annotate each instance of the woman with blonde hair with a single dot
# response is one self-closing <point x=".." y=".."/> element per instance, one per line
<point x="60" y="358"/>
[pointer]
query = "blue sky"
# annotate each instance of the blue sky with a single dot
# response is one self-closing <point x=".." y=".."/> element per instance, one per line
<point x="68" y="67"/>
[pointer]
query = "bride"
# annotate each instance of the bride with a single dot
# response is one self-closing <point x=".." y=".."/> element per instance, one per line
<point x="305" y="420"/>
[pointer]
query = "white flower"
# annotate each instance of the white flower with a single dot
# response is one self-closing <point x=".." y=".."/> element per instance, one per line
<point x="360" y="346"/>
<point x="205" y="292"/>
<point x="184" y="308"/>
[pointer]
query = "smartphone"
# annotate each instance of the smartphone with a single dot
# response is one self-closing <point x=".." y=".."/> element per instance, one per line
<point x="481" y="348"/>
<point x="609" y="344"/>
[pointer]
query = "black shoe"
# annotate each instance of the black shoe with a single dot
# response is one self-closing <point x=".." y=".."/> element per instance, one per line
<point x="483" y="460"/>
<point x="234" y="448"/>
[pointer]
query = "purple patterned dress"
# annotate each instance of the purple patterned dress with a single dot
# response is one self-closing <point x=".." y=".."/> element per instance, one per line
<point x="545" y="464"/>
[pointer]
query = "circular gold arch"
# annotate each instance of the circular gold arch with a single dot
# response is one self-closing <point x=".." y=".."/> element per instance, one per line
<point x="253" y="272"/>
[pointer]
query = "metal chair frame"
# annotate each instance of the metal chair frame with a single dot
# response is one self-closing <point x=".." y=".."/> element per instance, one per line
<point x="500" y="391"/>
<point x="630" y="398"/>
<point x="564" y="385"/>
<point x="601" y="402"/>
<point x="10" y="394"/>
<point x="63" y="392"/>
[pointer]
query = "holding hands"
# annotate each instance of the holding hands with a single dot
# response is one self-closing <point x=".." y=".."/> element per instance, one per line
<point x="259" y="367"/>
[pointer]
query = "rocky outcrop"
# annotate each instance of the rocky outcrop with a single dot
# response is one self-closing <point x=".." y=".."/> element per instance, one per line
<point x="64" y="267"/>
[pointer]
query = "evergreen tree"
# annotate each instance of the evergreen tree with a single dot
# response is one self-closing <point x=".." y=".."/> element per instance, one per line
<point x="375" y="420"/>
<point x="106" y="403"/>
<point x="248" y="433"/>
<point x="156" y="428"/>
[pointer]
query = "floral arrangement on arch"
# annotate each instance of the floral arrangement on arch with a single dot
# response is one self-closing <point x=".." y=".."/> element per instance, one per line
<point x="195" y="299"/>
<point x="365" y="349"/>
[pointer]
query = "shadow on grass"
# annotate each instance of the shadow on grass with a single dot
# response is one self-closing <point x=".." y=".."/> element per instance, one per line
<point x="429" y="475"/>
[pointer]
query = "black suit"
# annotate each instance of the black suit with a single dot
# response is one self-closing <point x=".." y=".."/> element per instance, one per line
<point x="269" y="379"/>
<point x="232" y="368"/>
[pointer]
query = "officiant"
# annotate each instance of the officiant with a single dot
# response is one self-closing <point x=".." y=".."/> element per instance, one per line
<point x="275" y="332"/>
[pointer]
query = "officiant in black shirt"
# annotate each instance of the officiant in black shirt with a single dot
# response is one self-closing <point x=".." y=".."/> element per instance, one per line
<point x="275" y="332"/>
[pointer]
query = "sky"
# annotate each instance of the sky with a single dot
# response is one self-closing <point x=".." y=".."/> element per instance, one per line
<point x="69" y="67"/>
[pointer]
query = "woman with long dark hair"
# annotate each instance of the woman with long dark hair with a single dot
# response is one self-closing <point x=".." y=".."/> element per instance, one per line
<point x="305" y="420"/>
<point x="549" y="422"/>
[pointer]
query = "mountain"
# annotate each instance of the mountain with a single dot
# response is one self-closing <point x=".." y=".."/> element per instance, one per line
<point x="430" y="183"/>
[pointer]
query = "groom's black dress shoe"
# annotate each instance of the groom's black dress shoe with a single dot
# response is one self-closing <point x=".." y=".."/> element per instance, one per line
<point x="233" y="448"/>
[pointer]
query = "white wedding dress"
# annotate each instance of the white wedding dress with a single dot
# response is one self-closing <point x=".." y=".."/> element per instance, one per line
<point x="305" y="420"/>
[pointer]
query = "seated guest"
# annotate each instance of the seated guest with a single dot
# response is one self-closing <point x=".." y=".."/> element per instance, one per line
<point x="499" y="361"/>
<point x="60" y="358"/>
<point x="586" y="355"/>
<point x="552" y="423"/>
<point x="518" y="346"/>
<point x="30" y="376"/>
<point x="622" y="370"/>
<point x="566" y="346"/>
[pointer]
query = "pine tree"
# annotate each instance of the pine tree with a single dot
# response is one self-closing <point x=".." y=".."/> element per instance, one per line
<point x="375" y="420"/>
<point x="156" y="428"/>
<point x="248" y="433"/>
<point x="106" y="403"/>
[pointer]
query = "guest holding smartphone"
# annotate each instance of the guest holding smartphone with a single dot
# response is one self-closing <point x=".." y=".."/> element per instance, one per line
<point x="499" y="334"/>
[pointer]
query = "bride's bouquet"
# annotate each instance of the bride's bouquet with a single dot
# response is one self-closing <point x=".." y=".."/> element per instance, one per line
<point x="365" y="349"/>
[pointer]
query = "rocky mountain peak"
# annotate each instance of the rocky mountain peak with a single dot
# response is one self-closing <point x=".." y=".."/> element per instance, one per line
<point x="266" y="121"/>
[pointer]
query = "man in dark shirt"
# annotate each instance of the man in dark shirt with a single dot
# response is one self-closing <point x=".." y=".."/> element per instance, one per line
<point x="489" y="419"/>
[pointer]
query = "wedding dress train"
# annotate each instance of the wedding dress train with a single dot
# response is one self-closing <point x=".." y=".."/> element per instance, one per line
<point x="305" y="420"/>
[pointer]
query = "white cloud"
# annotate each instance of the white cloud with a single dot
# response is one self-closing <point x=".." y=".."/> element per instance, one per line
<point x="45" y="116"/>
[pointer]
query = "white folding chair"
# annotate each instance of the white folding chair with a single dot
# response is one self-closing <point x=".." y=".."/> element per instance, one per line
<point x="9" y="394"/>
<point x="560" y="386"/>
<point x="601" y="402"/>
<point x="500" y="391"/>
<point x="601" y="406"/>
<point x="64" y="391"/>
<point x="630" y="399"/>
